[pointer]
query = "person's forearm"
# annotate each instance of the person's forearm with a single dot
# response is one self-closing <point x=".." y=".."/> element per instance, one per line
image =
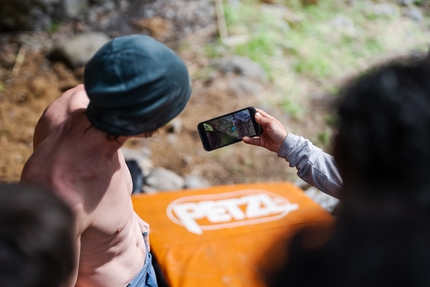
<point x="313" y="165"/>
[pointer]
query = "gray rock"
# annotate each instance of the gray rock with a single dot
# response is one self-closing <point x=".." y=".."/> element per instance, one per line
<point x="73" y="8"/>
<point x="186" y="16"/>
<point x="301" y="183"/>
<point x="149" y="190"/>
<point x="131" y="153"/>
<point x="35" y="42"/>
<point x="161" y="179"/>
<point x="45" y="3"/>
<point x="234" y="40"/>
<point x="76" y="51"/>
<point x="175" y="126"/>
<point x="38" y="20"/>
<point x="24" y="15"/>
<point x="342" y="22"/>
<point x="239" y="65"/>
<point x="413" y="13"/>
<point x="405" y="2"/>
<point x="351" y="2"/>
<point x="324" y="200"/>
<point x="187" y="159"/>
<point x="283" y="13"/>
<point x="103" y="2"/>
<point x="141" y="156"/>
<point x="243" y="87"/>
<point x="194" y="181"/>
<point x="115" y="26"/>
<point x="172" y="138"/>
<point x="386" y="10"/>
<point x="37" y="15"/>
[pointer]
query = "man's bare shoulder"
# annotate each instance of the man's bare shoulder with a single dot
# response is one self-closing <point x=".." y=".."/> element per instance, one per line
<point x="59" y="111"/>
<point x="71" y="100"/>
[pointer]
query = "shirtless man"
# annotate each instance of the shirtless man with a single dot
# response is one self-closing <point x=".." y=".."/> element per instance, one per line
<point x="132" y="86"/>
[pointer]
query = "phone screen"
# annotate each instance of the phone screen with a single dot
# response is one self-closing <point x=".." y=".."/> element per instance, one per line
<point x="227" y="129"/>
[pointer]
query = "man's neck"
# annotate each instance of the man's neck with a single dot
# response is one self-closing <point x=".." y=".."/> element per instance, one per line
<point x="97" y="143"/>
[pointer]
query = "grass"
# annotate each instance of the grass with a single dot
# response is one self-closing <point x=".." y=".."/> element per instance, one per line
<point x="323" y="138"/>
<point x="292" y="108"/>
<point x="203" y="74"/>
<point x="320" y="44"/>
<point x="55" y="25"/>
<point x="322" y="47"/>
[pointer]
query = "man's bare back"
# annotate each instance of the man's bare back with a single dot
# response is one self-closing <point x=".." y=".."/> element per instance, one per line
<point x="133" y="85"/>
<point x="77" y="161"/>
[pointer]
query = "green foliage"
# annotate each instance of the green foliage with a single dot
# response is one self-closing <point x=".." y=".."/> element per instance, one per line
<point x="265" y="43"/>
<point x="332" y="89"/>
<point x="316" y="65"/>
<point x="325" y="42"/>
<point x="259" y="49"/>
<point x="2" y="86"/>
<point x="54" y="26"/>
<point x="203" y="74"/>
<point x="331" y="120"/>
<point x="293" y="109"/>
<point x="327" y="49"/>
<point x="323" y="138"/>
<point x="324" y="11"/>
<point x="215" y="50"/>
<point x="246" y="15"/>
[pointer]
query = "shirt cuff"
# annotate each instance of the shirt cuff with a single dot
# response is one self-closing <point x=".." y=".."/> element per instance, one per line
<point x="289" y="143"/>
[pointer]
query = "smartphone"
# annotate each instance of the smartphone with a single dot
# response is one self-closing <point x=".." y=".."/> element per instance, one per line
<point x="228" y="129"/>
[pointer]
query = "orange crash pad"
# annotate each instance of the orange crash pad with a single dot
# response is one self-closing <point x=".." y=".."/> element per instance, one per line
<point x="225" y="235"/>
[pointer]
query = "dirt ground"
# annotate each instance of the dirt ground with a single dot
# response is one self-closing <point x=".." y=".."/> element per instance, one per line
<point x="26" y="92"/>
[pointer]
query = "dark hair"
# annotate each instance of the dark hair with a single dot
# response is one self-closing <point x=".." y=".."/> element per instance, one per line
<point x="383" y="139"/>
<point x="387" y="247"/>
<point x="36" y="237"/>
<point x="113" y="137"/>
<point x="382" y="231"/>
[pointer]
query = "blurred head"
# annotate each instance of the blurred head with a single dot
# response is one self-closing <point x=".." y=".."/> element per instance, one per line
<point x="388" y="247"/>
<point x="383" y="141"/>
<point x="36" y="237"/>
<point x="382" y="148"/>
<point x="135" y="85"/>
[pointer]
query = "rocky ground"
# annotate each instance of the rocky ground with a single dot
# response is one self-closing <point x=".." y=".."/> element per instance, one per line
<point x="30" y="80"/>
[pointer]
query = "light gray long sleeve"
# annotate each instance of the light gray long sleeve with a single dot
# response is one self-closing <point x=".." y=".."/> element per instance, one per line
<point x="313" y="165"/>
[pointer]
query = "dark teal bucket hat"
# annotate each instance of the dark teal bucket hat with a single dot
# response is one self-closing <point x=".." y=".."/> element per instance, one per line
<point x="135" y="85"/>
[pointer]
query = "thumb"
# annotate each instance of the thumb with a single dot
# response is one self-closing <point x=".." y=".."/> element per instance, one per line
<point x="251" y="141"/>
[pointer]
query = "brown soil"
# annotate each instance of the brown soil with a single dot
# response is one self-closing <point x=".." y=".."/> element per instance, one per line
<point x="38" y="82"/>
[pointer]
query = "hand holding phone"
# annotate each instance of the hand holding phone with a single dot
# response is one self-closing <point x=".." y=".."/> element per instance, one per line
<point x="273" y="132"/>
<point x="228" y="129"/>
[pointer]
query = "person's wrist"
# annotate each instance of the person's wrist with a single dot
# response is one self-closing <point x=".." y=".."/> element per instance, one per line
<point x="282" y="151"/>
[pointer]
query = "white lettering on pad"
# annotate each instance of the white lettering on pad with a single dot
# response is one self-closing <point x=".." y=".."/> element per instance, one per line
<point x="227" y="210"/>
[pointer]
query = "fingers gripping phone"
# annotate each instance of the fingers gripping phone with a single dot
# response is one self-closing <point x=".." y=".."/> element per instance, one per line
<point x="228" y="129"/>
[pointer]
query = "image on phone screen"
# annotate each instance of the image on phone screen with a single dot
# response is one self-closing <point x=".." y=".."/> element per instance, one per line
<point x="228" y="129"/>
